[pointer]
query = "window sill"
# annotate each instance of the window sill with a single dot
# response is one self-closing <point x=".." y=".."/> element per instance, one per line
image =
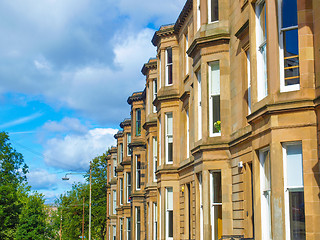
<point x="291" y="88"/>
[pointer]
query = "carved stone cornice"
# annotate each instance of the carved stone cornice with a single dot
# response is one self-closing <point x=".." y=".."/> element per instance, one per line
<point x="119" y="134"/>
<point x="167" y="30"/>
<point x="151" y="64"/>
<point x="137" y="96"/>
<point x="126" y="122"/>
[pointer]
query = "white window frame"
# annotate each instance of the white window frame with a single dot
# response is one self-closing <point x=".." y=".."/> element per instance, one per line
<point x="262" y="68"/>
<point x="292" y="188"/>
<point x="129" y="189"/>
<point x="266" y="214"/>
<point x="114" y="202"/>
<point x="110" y="205"/>
<point x="199" y="105"/>
<point x="188" y="133"/>
<point x="154" y="157"/>
<point x="167" y="67"/>
<point x="201" y="205"/>
<point x="128" y="142"/>
<point x="155" y="220"/>
<point x="114" y="167"/>
<point x="209" y="12"/>
<point x="138" y="172"/>
<point x="248" y="80"/>
<point x="121" y="191"/>
<point x="168" y="209"/>
<point x="154" y="92"/>
<point x="160" y="70"/>
<point x="121" y="228"/>
<point x="198" y="15"/>
<point x="121" y="153"/>
<point x="186" y="54"/>
<point x="169" y="137"/>
<point x="138" y="235"/>
<point x="212" y="203"/>
<point x="114" y="232"/>
<point x="160" y="214"/>
<point x="159" y="148"/>
<point x="128" y="228"/>
<point x="284" y="88"/>
<point x="211" y="124"/>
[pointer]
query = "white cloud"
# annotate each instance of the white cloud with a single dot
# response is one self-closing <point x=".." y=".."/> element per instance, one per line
<point x="41" y="179"/>
<point x="67" y="124"/>
<point x="74" y="152"/>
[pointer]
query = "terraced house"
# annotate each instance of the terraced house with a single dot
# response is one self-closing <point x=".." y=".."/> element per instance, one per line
<point x="223" y="142"/>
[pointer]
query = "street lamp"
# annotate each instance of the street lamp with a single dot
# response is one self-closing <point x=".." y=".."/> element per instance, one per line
<point x="65" y="178"/>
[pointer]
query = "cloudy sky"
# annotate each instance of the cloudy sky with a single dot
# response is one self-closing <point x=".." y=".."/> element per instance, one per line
<point x="67" y="68"/>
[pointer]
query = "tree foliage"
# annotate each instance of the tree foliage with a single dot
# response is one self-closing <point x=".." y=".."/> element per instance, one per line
<point x="12" y="175"/>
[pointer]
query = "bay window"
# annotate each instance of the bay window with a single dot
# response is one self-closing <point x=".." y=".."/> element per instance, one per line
<point x="121" y="191"/>
<point x="138" y="223"/>
<point x="155" y="220"/>
<point x="289" y="45"/>
<point x="138" y="172"/>
<point x="138" y="122"/>
<point x="261" y="30"/>
<point x="128" y="186"/>
<point x="199" y="105"/>
<point x="213" y="10"/>
<point x="155" y="157"/>
<point x="154" y="89"/>
<point x="216" y="205"/>
<point x="214" y="98"/>
<point x="121" y="152"/>
<point x="169" y="213"/>
<point x="128" y="142"/>
<point x="121" y="228"/>
<point x="128" y="228"/>
<point x="169" y="66"/>
<point x="294" y="191"/>
<point x="114" y="203"/>
<point x="169" y="138"/>
<point x="265" y="193"/>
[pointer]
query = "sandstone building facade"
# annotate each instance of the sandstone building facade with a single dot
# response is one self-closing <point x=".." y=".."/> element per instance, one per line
<point x="224" y="140"/>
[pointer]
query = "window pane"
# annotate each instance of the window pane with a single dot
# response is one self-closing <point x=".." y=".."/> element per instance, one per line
<point x="169" y="55"/>
<point x="214" y="10"/>
<point x="217" y="193"/>
<point x="215" y="78"/>
<point x="297" y="216"/>
<point x="217" y="221"/>
<point x="169" y="124"/>
<point x="170" y="223"/>
<point x="263" y="22"/>
<point x="294" y="166"/>
<point x="170" y="74"/>
<point x="169" y="198"/>
<point x="289" y="13"/>
<point x="291" y="57"/>
<point x="215" y="111"/>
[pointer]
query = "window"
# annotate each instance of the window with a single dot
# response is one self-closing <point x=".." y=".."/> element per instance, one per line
<point x="265" y="189"/>
<point x="288" y="22"/>
<point x="169" y="138"/>
<point x="128" y="186"/>
<point x="138" y="172"/>
<point x="128" y="142"/>
<point x="186" y="55"/>
<point x="121" y="152"/>
<point x="138" y="122"/>
<point x="168" y="66"/>
<point x="160" y="215"/>
<point x="121" y="228"/>
<point x="201" y="206"/>
<point x="198" y="15"/>
<point x="128" y="228"/>
<point x="159" y="141"/>
<point x="138" y="223"/>
<point x="216" y="205"/>
<point x="169" y="213"/>
<point x="248" y="81"/>
<point x="294" y="191"/>
<point x="114" y="167"/>
<point x="155" y="220"/>
<point x="114" y="204"/>
<point x="155" y="157"/>
<point x="110" y="204"/>
<point x="213" y="10"/>
<point x="155" y="90"/>
<point x="261" y="29"/>
<point x="214" y="97"/>
<point x="114" y="232"/>
<point x="199" y="106"/>
<point x="160" y="70"/>
<point x="188" y="133"/>
<point x="121" y="191"/>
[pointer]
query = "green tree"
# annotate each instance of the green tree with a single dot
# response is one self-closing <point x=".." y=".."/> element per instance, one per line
<point x="12" y="175"/>
<point x="34" y="224"/>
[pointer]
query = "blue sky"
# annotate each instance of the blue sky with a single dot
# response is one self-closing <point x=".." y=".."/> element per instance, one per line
<point x="67" y="68"/>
